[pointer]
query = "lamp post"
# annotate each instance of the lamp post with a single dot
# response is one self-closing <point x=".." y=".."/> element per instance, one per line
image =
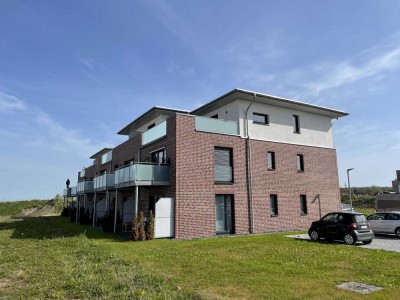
<point x="348" y="183"/>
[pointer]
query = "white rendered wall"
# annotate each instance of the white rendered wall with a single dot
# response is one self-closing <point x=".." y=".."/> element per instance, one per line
<point x="315" y="130"/>
<point x="159" y="119"/>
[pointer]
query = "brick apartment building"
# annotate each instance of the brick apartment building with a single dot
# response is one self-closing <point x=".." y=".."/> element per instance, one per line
<point x="243" y="163"/>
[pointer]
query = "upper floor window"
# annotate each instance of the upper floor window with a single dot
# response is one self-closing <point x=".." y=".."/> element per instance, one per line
<point x="151" y="126"/>
<point x="159" y="156"/>
<point x="214" y="116"/>
<point x="300" y="163"/>
<point x="260" y="119"/>
<point x="296" y="124"/>
<point x="271" y="161"/>
<point x="223" y="165"/>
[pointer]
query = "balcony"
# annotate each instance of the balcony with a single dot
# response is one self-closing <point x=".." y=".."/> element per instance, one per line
<point x="142" y="175"/>
<point x="154" y="133"/>
<point x="104" y="182"/>
<point x="70" y="192"/>
<point x="216" y="126"/>
<point x="84" y="187"/>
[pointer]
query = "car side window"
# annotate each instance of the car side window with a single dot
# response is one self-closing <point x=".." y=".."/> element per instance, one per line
<point x="393" y="217"/>
<point x="339" y="218"/>
<point x="331" y="218"/>
<point x="376" y="217"/>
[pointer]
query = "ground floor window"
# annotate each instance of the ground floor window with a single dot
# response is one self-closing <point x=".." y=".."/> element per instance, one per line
<point x="274" y="204"/>
<point x="224" y="214"/>
<point x="303" y="204"/>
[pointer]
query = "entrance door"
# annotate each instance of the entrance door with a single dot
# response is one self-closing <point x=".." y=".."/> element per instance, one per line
<point x="224" y="214"/>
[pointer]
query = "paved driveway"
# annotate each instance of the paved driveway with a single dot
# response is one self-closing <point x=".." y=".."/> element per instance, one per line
<point x="380" y="242"/>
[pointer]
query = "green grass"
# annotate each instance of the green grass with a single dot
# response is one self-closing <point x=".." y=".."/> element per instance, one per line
<point x="50" y="257"/>
<point x="15" y="207"/>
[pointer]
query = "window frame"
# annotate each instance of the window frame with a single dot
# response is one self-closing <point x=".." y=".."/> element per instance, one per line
<point x="303" y="205"/>
<point x="296" y="124"/>
<point x="300" y="163"/>
<point x="273" y="161"/>
<point x="230" y="165"/>
<point x="266" y="118"/>
<point x="273" y="202"/>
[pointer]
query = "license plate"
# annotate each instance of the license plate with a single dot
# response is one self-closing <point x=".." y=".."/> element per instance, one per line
<point x="363" y="226"/>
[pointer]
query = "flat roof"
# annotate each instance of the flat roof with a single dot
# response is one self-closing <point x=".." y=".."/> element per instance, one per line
<point x="266" y="99"/>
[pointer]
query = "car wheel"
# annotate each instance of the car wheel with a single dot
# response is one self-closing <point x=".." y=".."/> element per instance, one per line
<point x="367" y="242"/>
<point x="397" y="232"/>
<point x="349" y="239"/>
<point x="314" y="235"/>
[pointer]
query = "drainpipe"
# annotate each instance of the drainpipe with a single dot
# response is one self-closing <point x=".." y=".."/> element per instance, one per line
<point x="249" y="167"/>
<point x="136" y="200"/>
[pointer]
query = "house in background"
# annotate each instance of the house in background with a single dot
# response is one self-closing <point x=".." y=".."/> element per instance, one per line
<point x="389" y="201"/>
<point x="243" y="163"/>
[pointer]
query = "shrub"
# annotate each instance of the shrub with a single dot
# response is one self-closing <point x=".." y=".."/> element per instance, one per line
<point x="150" y="227"/>
<point x="142" y="231"/>
<point x="135" y="228"/>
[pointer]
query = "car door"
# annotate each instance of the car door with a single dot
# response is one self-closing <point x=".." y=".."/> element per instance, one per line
<point x="377" y="222"/>
<point x="332" y="230"/>
<point x="392" y="222"/>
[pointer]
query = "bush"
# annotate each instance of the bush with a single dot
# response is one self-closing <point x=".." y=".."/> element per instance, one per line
<point x="135" y="228"/>
<point x="150" y="227"/>
<point x="142" y="231"/>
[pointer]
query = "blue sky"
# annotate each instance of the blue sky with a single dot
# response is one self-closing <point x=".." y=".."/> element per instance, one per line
<point x="73" y="73"/>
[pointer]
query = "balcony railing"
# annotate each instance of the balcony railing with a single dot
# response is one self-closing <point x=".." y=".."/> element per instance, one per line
<point x="70" y="192"/>
<point x="84" y="187"/>
<point x="142" y="174"/>
<point x="217" y="126"/>
<point x="154" y="133"/>
<point x="104" y="182"/>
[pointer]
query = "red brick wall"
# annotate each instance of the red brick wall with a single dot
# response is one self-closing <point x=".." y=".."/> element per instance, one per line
<point x="196" y="190"/>
<point x="126" y="151"/>
<point x="320" y="177"/>
<point x="195" y="187"/>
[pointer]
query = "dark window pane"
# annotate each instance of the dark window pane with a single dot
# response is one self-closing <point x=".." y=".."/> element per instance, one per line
<point x="260" y="118"/>
<point x="223" y="171"/>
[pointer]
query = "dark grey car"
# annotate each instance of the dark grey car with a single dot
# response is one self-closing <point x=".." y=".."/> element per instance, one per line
<point x="349" y="227"/>
<point x="385" y="222"/>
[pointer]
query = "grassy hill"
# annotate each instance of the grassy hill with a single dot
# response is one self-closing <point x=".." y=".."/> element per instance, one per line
<point x="26" y="207"/>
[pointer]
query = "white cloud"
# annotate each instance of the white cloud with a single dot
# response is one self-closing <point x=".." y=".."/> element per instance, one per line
<point x="11" y="103"/>
<point x="372" y="63"/>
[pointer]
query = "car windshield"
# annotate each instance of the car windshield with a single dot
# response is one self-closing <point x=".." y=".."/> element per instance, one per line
<point x="360" y="219"/>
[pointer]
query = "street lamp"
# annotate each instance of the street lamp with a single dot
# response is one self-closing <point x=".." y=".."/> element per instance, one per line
<point x="348" y="181"/>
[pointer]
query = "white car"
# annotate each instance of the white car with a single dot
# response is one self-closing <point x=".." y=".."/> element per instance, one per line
<point x="385" y="222"/>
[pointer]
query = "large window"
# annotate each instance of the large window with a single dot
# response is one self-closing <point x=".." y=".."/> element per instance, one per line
<point x="274" y="204"/>
<point x="303" y="204"/>
<point x="296" y="124"/>
<point x="158" y="156"/>
<point x="271" y="161"/>
<point x="260" y="119"/>
<point x="223" y="165"/>
<point x="300" y="163"/>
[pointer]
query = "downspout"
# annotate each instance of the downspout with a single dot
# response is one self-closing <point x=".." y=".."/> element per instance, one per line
<point x="249" y="167"/>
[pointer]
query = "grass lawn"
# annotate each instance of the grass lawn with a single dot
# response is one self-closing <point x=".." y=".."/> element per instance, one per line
<point x="49" y="257"/>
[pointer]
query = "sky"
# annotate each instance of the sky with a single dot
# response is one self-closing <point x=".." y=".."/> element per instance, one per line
<point x="73" y="73"/>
